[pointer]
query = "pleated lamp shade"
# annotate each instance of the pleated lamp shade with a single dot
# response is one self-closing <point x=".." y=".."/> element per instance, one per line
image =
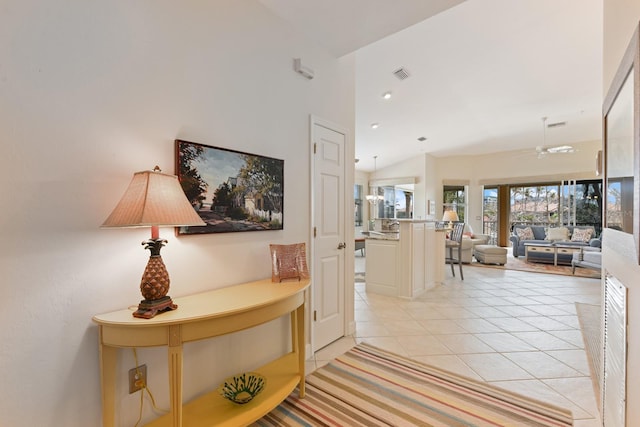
<point x="153" y="199"/>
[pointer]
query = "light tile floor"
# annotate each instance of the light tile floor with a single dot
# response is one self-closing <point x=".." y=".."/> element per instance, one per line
<point x="513" y="329"/>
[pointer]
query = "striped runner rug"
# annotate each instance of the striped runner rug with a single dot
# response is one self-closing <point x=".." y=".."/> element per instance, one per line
<point x="368" y="386"/>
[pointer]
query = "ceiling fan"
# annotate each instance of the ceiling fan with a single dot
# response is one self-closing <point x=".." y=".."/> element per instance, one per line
<point x="543" y="150"/>
<point x="558" y="149"/>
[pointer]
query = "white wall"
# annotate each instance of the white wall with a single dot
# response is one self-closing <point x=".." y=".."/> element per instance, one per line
<point x="91" y="92"/>
<point x="475" y="171"/>
<point x="514" y="167"/>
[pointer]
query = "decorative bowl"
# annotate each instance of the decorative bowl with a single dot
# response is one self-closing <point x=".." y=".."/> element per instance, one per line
<point x="243" y="387"/>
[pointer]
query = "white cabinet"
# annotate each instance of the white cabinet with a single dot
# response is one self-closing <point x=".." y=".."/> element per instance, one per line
<point x="382" y="266"/>
<point x="406" y="266"/>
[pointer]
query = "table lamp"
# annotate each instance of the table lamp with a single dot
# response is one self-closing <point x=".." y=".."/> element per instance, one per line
<point x="153" y="199"/>
<point x="450" y="217"/>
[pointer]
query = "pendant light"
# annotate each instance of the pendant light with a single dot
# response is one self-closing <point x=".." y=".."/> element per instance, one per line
<point x="374" y="197"/>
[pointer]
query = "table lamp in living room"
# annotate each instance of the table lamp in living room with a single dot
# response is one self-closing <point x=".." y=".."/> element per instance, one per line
<point x="450" y="217"/>
<point x="153" y="199"/>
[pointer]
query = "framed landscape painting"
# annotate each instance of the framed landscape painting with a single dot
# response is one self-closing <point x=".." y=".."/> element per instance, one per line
<point x="230" y="190"/>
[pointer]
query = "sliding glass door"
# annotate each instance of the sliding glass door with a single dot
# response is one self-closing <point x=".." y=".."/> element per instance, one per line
<point x="490" y="213"/>
<point x="554" y="205"/>
<point x="548" y="204"/>
<point x="454" y="199"/>
<point x="537" y="204"/>
<point x="582" y="203"/>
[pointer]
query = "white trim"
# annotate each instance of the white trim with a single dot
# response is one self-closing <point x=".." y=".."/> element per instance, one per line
<point x="349" y="228"/>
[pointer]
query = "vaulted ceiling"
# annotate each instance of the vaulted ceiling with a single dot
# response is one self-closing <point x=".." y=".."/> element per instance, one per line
<point x="482" y="74"/>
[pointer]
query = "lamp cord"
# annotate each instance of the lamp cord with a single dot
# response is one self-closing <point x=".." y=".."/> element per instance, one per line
<point x="144" y="388"/>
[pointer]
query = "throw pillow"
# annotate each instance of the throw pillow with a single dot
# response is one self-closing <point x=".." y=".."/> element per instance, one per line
<point x="525" y="233"/>
<point x="468" y="231"/>
<point x="581" y="235"/>
<point x="557" y="234"/>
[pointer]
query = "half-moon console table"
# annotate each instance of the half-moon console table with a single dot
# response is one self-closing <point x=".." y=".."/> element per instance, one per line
<point x="206" y="315"/>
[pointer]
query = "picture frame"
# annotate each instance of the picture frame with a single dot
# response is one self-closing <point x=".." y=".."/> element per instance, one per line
<point x="232" y="191"/>
<point x="621" y="134"/>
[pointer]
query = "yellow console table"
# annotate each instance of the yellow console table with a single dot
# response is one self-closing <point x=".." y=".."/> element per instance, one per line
<point x="207" y="315"/>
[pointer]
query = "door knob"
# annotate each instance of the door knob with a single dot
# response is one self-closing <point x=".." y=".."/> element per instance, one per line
<point x="342" y="245"/>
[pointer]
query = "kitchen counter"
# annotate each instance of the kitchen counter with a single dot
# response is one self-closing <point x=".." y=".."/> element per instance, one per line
<point x="405" y="263"/>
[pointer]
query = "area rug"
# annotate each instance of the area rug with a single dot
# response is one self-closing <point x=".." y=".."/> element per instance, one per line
<point x="589" y="316"/>
<point x="519" y="264"/>
<point x="371" y="387"/>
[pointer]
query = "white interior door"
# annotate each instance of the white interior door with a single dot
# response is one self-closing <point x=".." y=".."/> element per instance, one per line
<point x="328" y="235"/>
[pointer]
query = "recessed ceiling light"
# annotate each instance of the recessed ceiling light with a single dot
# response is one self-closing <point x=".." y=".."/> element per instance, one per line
<point x="386" y="95"/>
<point x="375" y="125"/>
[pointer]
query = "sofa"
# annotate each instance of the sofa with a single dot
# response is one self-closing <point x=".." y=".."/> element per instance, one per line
<point x="575" y="236"/>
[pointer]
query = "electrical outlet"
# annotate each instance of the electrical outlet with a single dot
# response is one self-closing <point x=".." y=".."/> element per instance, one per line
<point x="137" y="378"/>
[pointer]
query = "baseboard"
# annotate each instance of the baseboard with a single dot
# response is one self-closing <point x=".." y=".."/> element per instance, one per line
<point x="307" y="352"/>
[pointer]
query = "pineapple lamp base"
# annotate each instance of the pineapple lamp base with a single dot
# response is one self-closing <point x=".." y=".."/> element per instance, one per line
<point x="149" y="308"/>
<point x="155" y="283"/>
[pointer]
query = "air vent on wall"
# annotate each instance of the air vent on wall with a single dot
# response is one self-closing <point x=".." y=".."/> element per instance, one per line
<point x="401" y="73"/>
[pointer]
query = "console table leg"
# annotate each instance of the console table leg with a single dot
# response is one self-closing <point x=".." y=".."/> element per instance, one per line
<point x="300" y="344"/>
<point x="108" y="362"/>
<point x="175" y="375"/>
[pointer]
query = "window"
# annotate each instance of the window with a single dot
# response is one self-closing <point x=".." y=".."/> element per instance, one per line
<point x="397" y="201"/>
<point x="454" y="199"/>
<point x="357" y="197"/>
<point x="582" y="201"/>
<point x="490" y="213"/>
<point x="535" y="204"/>
<point x="553" y="205"/>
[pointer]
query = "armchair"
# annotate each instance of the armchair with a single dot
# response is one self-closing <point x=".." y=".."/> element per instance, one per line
<point x="587" y="257"/>
<point x="469" y="241"/>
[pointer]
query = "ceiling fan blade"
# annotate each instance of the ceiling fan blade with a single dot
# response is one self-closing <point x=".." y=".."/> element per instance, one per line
<point x="560" y="149"/>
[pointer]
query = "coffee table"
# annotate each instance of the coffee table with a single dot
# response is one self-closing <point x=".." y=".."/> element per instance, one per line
<point x="553" y="249"/>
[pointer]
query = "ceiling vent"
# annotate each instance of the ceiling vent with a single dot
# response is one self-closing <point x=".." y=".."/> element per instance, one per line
<point x="556" y="124"/>
<point x="422" y="139"/>
<point x="401" y="73"/>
